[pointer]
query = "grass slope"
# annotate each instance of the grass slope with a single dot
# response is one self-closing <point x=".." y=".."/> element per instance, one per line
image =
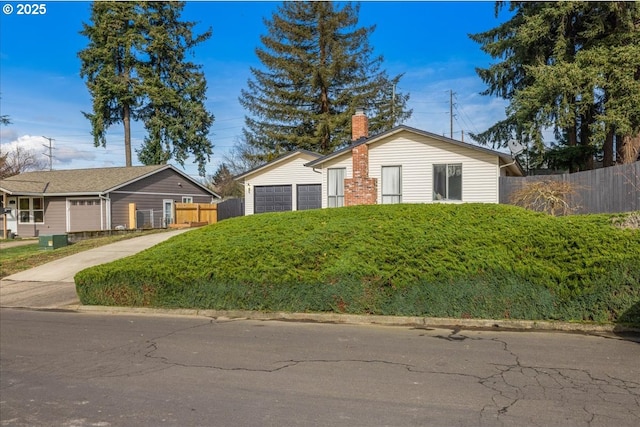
<point x="470" y="260"/>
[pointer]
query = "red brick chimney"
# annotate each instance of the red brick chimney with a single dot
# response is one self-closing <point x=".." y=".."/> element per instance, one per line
<point x="359" y="125"/>
<point x="360" y="189"/>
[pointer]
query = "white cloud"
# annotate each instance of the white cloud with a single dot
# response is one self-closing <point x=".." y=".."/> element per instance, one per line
<point x="71" y="154"/>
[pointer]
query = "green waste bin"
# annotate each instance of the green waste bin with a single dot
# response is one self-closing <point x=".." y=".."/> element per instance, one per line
<point x="53" y="241"/>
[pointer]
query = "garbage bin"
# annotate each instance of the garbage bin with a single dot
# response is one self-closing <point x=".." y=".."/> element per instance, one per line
<point x="53" y="241"/>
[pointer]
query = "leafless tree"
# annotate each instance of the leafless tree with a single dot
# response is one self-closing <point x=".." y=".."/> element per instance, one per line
<point x="18" y="160"/>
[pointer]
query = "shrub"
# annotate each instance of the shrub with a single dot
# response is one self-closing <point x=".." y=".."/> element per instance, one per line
<point x="470" y="260"/>
<point x="630" y="220"/>
<point x="549" y="196"/>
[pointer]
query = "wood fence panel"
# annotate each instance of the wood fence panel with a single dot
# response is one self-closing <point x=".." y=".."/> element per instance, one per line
<point x="606" y="190"/>
<point x="196" y="212"/>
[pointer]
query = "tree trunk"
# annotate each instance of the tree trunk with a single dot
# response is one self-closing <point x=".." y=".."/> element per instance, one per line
<point x="585" y="137"/>
<point x="607" y="148"/>
<point x="629" y="149"/>
<point x="126" y="120"/>
<point x="572" y="136"/>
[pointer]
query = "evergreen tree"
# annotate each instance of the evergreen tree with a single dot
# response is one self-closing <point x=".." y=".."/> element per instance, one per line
<point x="223" y="184"/>
<point x="567" y="66"/>
<point x="317" y="68"/>
<point x="110" y="66"/>
<point x="174" y="115"/>
<point x="137" y="69"/>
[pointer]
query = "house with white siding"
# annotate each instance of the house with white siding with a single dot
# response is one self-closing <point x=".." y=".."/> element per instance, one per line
<point x="283" y="184"/>
<point x="402" y="165"/>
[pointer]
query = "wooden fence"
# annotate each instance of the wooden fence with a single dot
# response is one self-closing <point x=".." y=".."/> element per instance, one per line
<point x="187" y="213"/>
<point x="607" y="190"/>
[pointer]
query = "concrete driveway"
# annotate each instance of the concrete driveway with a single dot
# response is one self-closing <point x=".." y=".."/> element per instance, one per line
<point x="51" y="285"/>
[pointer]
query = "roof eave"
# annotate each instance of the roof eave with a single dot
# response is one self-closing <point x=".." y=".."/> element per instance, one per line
<point x="273" y="162"/>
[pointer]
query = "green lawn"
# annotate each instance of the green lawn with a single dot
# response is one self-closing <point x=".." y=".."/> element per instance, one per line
<point x="20" y="258"/>
<point x="461" y="261"/>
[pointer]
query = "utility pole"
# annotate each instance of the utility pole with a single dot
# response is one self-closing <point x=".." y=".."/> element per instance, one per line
<point x="50" y="155"/>
<point x="450" y="113"/>
<point x="393" y="105"/>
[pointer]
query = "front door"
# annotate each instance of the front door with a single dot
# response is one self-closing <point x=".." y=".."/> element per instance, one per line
<point x="167" y="212"/>
<point x="12" y="215"/>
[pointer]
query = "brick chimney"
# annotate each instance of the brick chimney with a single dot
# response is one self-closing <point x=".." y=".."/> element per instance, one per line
<point x="360" y="189"/>
<point x="359" y="125"/>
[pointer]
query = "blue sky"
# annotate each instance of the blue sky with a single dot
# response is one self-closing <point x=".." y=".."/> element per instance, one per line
<point x="42" y="92"/>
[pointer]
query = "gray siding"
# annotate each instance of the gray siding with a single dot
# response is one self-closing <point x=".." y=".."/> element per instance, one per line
<point x="55" y="219"/>
<point x="148" y="193"/>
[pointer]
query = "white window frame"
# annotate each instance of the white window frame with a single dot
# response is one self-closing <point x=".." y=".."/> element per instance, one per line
<point x="335" y="195"/>
<point x="448" y="170"/>
<point x="187" y="199"/>
<point x="30" y="211"/>
<point x="395" y="196"/>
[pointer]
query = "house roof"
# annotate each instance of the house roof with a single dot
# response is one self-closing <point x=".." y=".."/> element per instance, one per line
<point x="504" y="157"/>
<point x="83" y="181"/>
<point x="275" y="161"/>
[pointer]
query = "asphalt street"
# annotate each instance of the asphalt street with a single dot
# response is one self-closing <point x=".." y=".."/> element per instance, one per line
<point x="90" y="369"/>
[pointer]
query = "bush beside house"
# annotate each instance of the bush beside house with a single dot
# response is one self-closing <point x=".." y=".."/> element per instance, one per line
<point x="442" y="260"/>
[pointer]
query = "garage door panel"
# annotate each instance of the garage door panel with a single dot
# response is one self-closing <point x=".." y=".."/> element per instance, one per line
<point x="309" y="196"/>
<point x="272" y="198"/>
<point x="84" y="215"/>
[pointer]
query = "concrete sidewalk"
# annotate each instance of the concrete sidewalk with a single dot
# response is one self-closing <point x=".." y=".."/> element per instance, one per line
<point x="51" y="285"/>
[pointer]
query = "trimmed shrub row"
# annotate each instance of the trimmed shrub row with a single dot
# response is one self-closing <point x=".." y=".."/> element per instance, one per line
<point x="470" y="260"/>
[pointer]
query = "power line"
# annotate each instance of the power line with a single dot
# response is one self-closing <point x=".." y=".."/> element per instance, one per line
<point x="50" y="155"/>
<point x="451" y="93"/>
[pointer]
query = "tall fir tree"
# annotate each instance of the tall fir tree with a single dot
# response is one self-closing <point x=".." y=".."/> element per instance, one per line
<point x="136" y="68"/>
<point x="110" y="64"/>
<point x="572" y="67"/>
<point x="174" y="115"/>
<point x="318" y="67"/>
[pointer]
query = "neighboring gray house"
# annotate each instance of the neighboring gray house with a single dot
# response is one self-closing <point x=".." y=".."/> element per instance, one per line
<point x="402" y="165"/>
<point x="60" y="201"/>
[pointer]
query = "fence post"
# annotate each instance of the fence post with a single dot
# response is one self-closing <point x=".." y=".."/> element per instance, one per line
<point x="132" y="216"/>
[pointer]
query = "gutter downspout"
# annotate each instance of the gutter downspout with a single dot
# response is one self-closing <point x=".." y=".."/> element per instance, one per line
<point x="508" y="164"/>
<point x="4" y="215"/>
<point x="106" y="212"/>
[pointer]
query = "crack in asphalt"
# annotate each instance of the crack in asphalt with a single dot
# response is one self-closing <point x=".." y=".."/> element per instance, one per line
<point x="511" y="383"/>
<point x="552" y="383"/>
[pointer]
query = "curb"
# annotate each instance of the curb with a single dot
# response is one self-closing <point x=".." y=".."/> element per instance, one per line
<point x="353" y="319"/>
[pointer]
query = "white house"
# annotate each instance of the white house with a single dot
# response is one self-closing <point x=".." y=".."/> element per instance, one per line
<point x="283" y="184"/>
<point x="402" y="165"/>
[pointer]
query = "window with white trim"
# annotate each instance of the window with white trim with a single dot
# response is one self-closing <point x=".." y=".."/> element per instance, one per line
<point x="31" y="210"/>
<point x="391" y="184"/>
<point x="447" y="181"/>
<point x="187" y="199"/>
<point x="335" y="187"/>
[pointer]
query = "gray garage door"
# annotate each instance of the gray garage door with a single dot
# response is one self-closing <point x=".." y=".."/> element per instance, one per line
<point x="272" y="198"/>
<point x="84" y="215"/>
<point x="309" y="196"/>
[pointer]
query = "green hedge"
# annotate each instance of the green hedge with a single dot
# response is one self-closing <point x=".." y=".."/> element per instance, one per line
<point x="470" y="260"/>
